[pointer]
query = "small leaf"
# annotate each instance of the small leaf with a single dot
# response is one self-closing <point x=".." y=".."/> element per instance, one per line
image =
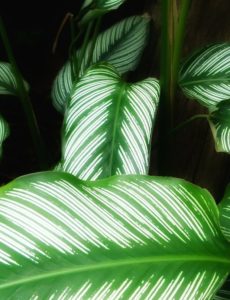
<point x="4" y="132"/>
<point x="8" y="83"/>
<point x="126" y="237"/>
<point x="121" y="45"/>
<point x="205" y="76"/>
<point x="98" y="8"/>
<point x="108" y="125"/>
<point x="219" y="121"/>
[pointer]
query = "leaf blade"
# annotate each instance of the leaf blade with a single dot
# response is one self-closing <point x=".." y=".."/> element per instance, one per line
<point x="219" y="121"/>
<point x="205" y="76"/>
<point x="127" y="233"/>
<point x="108" y="125"/>
<point x="111" y="46"/>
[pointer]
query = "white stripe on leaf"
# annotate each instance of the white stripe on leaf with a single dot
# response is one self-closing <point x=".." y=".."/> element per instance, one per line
<point x="108" y="125"/>
<point x="121" y="45"/>
<point x="128" y="237"/>
<point x="8" y="83"/>
<point x="219" y="121"/>
<point x="205" y="76"/>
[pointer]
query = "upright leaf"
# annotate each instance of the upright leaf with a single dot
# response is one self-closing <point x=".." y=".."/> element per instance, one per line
<point x="224" y="292"/>
<point x="220" y="124"/>
<point x="108" y="125"/>
<point x="132" y="237"/>
<point x="121" y="45"/>
<point x="205" y="76"/>
<point x="4" y="132"/>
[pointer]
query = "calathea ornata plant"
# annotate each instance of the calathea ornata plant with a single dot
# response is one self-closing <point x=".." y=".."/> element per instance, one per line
<point x="97" y="226"/>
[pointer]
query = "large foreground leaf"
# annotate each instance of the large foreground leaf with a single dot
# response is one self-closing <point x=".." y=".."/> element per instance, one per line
<point x="121" y="45"/>
<point x="220" y="124"/>
<point x="128" y="237"/>
<point x="205" y="76"/>
<point x="108" y="125"/>
<point x="225" y="214"/>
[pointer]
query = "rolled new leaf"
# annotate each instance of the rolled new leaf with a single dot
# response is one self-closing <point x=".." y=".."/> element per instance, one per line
<point x="219" y="121"/>
<point x="126" y="237"/>
<point x="8" y="83"/>
<point x="121" y="45"/>
<point x="205" y="76"/>
<point x="108" y="125"/>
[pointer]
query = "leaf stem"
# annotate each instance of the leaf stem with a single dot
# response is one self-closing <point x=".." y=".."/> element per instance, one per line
<point x="188" y="121"/>
<point x="25" y="100"/>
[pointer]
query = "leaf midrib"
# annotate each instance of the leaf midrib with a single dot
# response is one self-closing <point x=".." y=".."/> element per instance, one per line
<point x="119" y="263"/>
<point x="115" y="127"/>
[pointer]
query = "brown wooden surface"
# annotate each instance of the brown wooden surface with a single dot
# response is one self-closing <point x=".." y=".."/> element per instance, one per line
<point x="193" y="156"/>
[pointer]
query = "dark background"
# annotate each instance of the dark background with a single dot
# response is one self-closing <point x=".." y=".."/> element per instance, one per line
<point x="32" y="28"/>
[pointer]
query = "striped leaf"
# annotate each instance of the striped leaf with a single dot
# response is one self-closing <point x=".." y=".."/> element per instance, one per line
<point x="8" y="84"/>
<point x="126" y="237"/>
<point x="224" y="292"/>
<point x="108" y="125"/>
<point x="121" y="45"/>
<point x="205" y="76"/>
<point x="224" y="208"/>
<point x="4" y="132"/>
<point x="95" y="8"/>
<point x="219" y="121"/>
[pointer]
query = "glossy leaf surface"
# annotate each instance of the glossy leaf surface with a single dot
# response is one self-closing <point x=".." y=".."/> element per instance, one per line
<point x="108" y="125"/>
<point x="220" y="124"/>
<point x="121" y="45"/>
<point x="205" y="76"/>
<point x="126" y="237"/>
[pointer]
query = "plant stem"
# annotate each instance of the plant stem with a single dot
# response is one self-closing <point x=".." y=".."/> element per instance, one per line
<point x="179" y="38"/>
<point x="25" y="100"/>
<point x="188" y="121"/>
<point x="173" y="30"/>
<point x="165" y="107"/>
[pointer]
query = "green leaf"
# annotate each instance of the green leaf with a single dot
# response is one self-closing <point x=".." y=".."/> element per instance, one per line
<point x="205" y="76"/>
<point x="219" y="121"/>
<point x="224" y="292"/>
<point x="108" y="125"/>
<point x="99" y="7"/>
<point x="4" y="132"/>
<point x="126" y="237"/>
<point x="224" y="208"/>
<point x="121" y="45"/>
<point x="7" y="80"/>
<point x="8" y="85"/>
